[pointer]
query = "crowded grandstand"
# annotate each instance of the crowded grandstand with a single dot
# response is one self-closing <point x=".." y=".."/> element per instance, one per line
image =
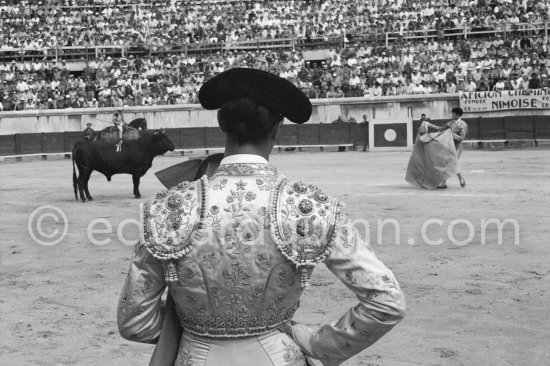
<point x="109" y="53"/>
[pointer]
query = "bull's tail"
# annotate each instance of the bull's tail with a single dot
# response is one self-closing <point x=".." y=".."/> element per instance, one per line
<point x="75" y="180"/>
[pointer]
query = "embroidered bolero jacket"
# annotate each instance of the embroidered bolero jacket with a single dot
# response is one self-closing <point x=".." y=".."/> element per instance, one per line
<point x="236" y="251"/>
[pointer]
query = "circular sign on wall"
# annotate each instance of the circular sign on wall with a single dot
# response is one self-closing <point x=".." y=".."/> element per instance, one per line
<point x="390" y="134"/>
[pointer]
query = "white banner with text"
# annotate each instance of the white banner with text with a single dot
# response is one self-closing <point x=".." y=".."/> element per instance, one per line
<point x="489" y="101"/>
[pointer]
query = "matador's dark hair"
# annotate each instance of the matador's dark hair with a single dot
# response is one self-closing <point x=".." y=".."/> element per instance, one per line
<point x="247" y="121"/>
<point x="458" y="111"/>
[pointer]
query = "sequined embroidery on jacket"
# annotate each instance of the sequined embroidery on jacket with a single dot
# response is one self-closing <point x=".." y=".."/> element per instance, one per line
<point x="304" y="222"/>
<point x="170" y="223"/>
<point x="169" y="220"/>
<point x="246" y="169"/>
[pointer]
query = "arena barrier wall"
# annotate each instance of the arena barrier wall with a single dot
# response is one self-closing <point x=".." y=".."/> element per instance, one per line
<point x="481" y="130"/>
<point x="193" y="138"/>
<point x="191" y="127"/>
<point x="435" y="106"/>
<point x="192" y="115"/>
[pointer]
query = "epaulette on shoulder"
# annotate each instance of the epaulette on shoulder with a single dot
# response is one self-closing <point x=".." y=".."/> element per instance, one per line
<point x="303" y="223"/>
<point x="169" y="220"/>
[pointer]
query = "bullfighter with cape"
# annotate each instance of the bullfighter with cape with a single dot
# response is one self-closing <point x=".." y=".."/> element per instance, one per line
<point x="434" y="158"/>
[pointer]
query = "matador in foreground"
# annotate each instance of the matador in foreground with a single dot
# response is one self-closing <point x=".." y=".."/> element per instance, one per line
<point x="236" y="249"/>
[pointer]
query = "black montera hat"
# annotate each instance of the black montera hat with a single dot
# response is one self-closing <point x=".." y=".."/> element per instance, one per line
<point x="271" y="91"/>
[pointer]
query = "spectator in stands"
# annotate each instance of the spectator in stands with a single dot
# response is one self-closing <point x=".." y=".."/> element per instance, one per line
<point x="30" y="104"/>
<point x="376" y="90"/>
<point x="450" y="87"/>
<point x="534" y="82"/>
<point x="544" y="83"/>
<point x="499" y="85"/>
<point x="20" y="105"/>
<point x="355" y="69"/>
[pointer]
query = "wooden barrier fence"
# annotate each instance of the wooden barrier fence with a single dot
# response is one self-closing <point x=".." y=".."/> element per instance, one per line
<point x="191" y="138"/>
<point x="480" y="129"/>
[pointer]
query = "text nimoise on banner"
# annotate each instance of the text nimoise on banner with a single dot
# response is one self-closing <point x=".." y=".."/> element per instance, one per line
<point x="489" y="101"/>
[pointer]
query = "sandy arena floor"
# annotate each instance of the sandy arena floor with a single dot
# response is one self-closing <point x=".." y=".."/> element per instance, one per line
<point x="469" y="304"/>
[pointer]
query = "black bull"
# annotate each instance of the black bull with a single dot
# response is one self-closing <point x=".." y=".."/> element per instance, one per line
<point x="135" y="158"/>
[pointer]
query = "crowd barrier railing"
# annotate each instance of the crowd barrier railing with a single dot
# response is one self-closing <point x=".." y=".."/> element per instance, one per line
<point x="88" y="52"/>
<point x="98" y="5"/>
<point x="469" y="32"/>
